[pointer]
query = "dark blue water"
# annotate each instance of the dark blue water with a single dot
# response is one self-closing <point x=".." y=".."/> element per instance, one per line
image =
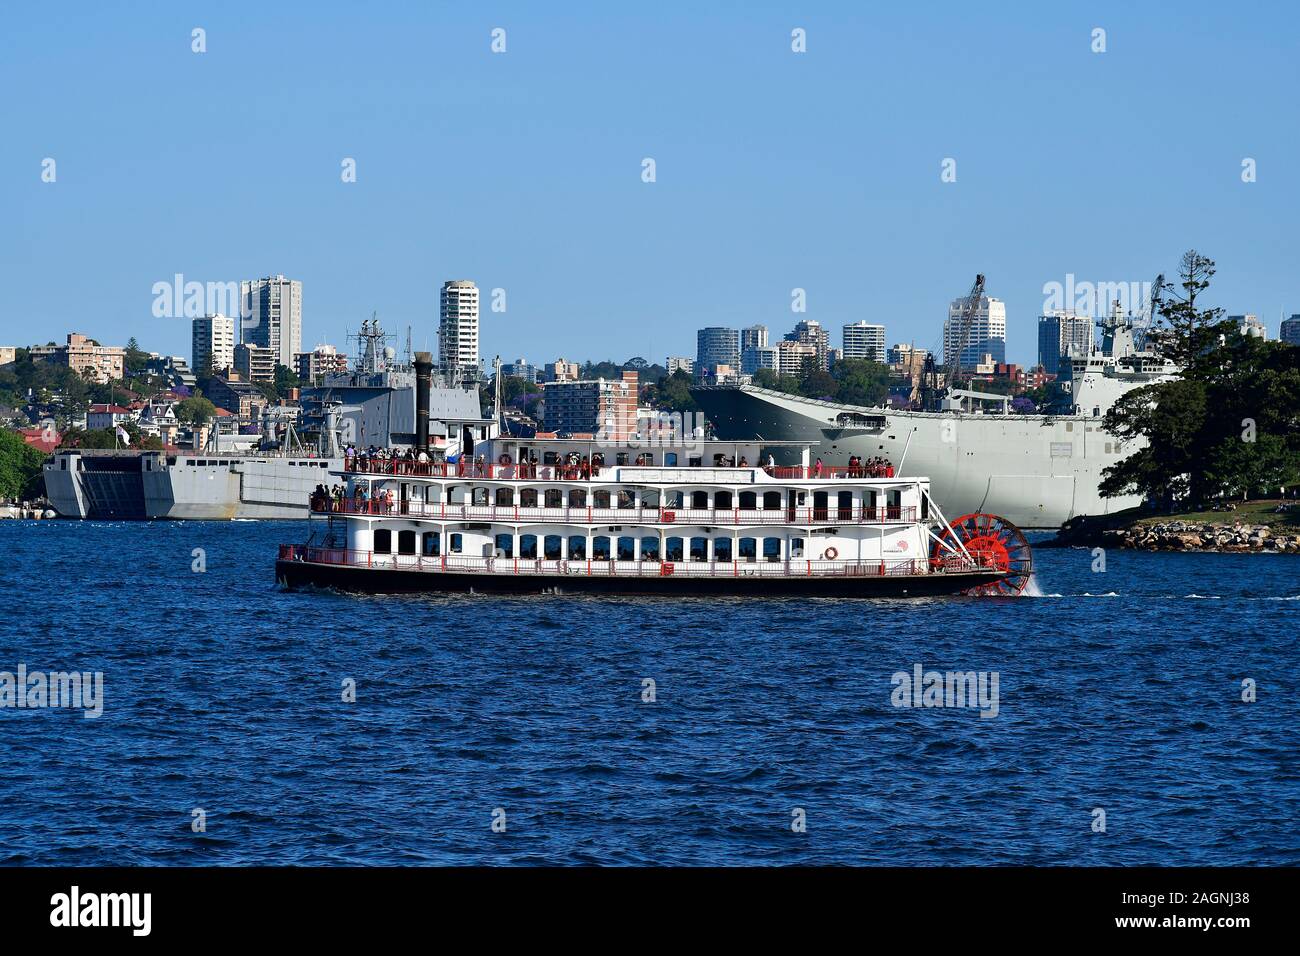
<point x="1119" y="691"/>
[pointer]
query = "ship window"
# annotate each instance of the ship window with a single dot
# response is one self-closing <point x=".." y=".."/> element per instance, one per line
<point x="577" y="547"/>
<point x="722" y="549"/>
<point x="700" y="499"/>
<point x="577" y="498"/>
<point x="670" y="459"/>
<point x="771" y="549"/>
<point x="699" y="549"/>
<point x="620" y="458"/>
<point x="673" y="549"/>
<point x="554" y="498"/>
<point x="406" y="542"/>
<point x="649" y="549"/>
<point x="478" y="496"/>
<point x="528" y="498"/>
<point x="505" y="497"/>
<point x="771" y="500"/>
<point x="550" y="458"/>
<point x="456" y="543"/>
<point x="748" y="549"/>
<point x="551" y="547"/>
<point x="748" y="501"/>
<point x="627" y="549"/>
<point x="528" y="546"/>
<point x="432" y="546"/>
<point x="383" y="542"/>
<point x="601" y="499"/>
<point x="600" y="548"/>
<point x="649" y="499"/>
<point x="796" y="547"/>
<point x="722" y="499"/>
<point x="672" y="499"/>
<point x="505" y="545"/>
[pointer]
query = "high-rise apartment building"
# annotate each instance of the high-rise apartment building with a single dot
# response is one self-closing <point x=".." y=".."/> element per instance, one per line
<point x="984" y="333"/>
<point x="458" y="343"/>
<point x="1061" y="334"/>
<point x="862" y="340"/>
<point x="810" y="332"/>
<point x="716" y="346"/>
<point x="272" y="316"/>
<point x="213" y="341"/>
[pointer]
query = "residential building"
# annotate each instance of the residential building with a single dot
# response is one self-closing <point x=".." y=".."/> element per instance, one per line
<point x="716" y="346"/>
<point x="792" y="355"/>
<point x="322" y="360"/>
<point x="99" y="417"/>
<point x="520" y="369"/>
<point x="603" y="408"/>
<point x="764" y="356"/>
<point x="237" y="397"/>
<point x="679" y="363"/>
<point x="86" y="357"/>
<point x="255" y="363"/>
<point x="753" y="337"/>
<point x="862" y="340"/>
<point x="810" y="332"/>
<point x="1062" y="333"/>
<point x="458" y="332"/>
<point x="214" y="341"/>
<point x="968" y="340"/>
<point x="272" y="316"/>
<point x="1290" y="331"/>
<point x="562" y="371"/>
<point x="173" y="368"/>
<point x="8" y="353"/>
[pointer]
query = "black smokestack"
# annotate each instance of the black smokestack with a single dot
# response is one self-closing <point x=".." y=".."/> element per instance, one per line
<point x="423" y="385"/>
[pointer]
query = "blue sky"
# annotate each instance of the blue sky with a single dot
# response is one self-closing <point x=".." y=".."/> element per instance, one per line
<point x="522" y="170"/>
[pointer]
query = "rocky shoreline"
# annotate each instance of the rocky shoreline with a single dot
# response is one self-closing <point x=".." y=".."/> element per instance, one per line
<point x="1180" y="536"/>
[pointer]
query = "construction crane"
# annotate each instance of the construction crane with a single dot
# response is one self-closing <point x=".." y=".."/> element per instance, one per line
<point x="953" y="365"/>
<point x="1153" y="309"/>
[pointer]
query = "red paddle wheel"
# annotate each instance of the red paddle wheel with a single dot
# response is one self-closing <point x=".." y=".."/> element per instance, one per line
<point x="993" y="542"/>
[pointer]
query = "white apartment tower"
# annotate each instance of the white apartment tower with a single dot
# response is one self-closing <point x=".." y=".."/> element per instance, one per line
<point x="272" y="316"/>
<point x="862" y="340"/>
<point x="213" y="339"/>
<point x="986" y="333"/>
<point x="458" y="353"/>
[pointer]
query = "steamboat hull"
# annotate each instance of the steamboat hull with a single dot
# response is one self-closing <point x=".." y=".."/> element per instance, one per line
<point x="297" y="575"/>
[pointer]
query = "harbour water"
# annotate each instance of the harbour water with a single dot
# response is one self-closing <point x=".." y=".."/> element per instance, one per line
<point x="1118" y="691"/>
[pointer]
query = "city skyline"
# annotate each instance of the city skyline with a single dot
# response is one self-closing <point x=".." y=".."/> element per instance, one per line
<point x="761" y="187"/>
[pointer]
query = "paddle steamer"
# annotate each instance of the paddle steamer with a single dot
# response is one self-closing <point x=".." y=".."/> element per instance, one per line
<point x="564" y="515"/>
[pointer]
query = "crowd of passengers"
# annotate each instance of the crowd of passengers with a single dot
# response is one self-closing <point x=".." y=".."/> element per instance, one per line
<point x="332" y="499"/>
<point x="571" y="467"/>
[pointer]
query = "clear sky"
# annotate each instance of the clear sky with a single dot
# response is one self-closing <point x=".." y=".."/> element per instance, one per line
<point x="522" y="170"/>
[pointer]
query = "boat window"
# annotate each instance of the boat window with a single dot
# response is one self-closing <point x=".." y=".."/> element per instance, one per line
<point x="432" y="546"/>
<point x="771" y="549"/>
<point x="699" y="549"/>
<point x="456" y="542"/>
<point x="554" y="498"/>
<point x="670" y="459"/>
<point x="528" y="546"/>
<point x="383" y="541"/>
<point x="796" y="547"/>
<point x="577" y="498"/>
<point x="550" y="458"/>
<point x="672" y="499"/>
<point x="771" y="500"/>
<point x="577" y="547"/>
<point x="551" y="547"/>
<point x="600" y="548"/>
<point x="748" y="549"/>
<point x="748" y="500"/>
<point x="673" y="549"/>
<point x="528" y="498"/>
<point x="601" y="499"/>
<point x="722" y="499"/>
<point x="722" y="550"/>
<point x="505" y="497"/>
<point x="620" y="458"/>
<point x="406" y="542"/>
<point x="695" y="462"/>
<point x="700" y="499"/>
<point x="649" y="549"/>
<point x="627" y="549"/>
<point x="479" y="496"/>
<point x="505" y="546"/>
<point x="649" y="499"/>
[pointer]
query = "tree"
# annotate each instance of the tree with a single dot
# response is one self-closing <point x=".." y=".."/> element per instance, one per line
<point x="135" y="358"/>
<point x="815" y="381"/>
<point x="1185" y="332"/>
<point x="861" y="382"/>
<point x="195" y="410"/>
<point x="673" y="393"/>
<point x="20" y="468"/>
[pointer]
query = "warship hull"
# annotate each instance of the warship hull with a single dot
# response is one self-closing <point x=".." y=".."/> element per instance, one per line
<point x="1035" y="470"/>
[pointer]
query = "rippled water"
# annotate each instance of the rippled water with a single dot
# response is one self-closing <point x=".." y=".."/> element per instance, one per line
<point x="1119" y="691"/>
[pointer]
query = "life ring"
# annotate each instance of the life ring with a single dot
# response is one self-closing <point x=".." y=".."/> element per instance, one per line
<point x="504" y="460"/>
<point x="831" y="554"/>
